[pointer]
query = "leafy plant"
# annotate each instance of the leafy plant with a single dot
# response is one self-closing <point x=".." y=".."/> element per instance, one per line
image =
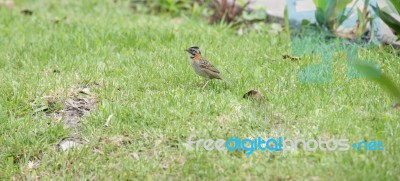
<point x="226" y="11"/>
<point x="363" y="20"/>
<point x="331" y="13"/>
<point x="387" y="15"/>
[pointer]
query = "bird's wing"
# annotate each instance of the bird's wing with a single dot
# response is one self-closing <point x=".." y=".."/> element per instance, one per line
<point x="208" y="66"/>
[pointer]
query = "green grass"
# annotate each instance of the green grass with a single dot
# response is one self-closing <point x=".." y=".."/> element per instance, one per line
<point x="147" y="84"/>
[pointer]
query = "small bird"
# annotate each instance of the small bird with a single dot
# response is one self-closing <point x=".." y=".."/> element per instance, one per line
<point x="201" y="66"/>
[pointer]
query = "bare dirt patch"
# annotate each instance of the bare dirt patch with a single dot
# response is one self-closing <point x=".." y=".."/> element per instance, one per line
<point x="80" y="102"/>
<point x="70" y="111"/>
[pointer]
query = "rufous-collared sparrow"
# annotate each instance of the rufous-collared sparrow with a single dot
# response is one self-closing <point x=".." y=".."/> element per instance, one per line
<point x="201" y="66"/>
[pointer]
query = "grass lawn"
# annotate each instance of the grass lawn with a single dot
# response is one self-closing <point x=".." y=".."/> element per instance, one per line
<point x="136" y="69"/>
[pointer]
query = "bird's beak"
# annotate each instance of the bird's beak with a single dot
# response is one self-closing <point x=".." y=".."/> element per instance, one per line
<point x="186" y="50"/>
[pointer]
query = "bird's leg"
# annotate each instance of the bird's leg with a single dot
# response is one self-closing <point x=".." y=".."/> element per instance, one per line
<point x="207" y="80"/>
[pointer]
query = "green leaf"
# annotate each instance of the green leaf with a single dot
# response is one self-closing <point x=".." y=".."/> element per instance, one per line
<point x="396" y="4"/>
<point x="287" y="24"/>
<point x="384" y="81"/>
<point x="388" y="19"/>
<point x="320" y="3"/>
<point x="342" y="17"/>
<point x="330" y="10"/>
<point x="341" y="4"/>
<point x="320" y="16"/>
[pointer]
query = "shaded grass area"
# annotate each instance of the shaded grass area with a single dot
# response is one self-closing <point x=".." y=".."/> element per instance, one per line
<point x="146" y="83"/>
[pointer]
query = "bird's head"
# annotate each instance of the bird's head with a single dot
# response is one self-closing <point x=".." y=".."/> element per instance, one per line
<point x="194" y="51"/>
